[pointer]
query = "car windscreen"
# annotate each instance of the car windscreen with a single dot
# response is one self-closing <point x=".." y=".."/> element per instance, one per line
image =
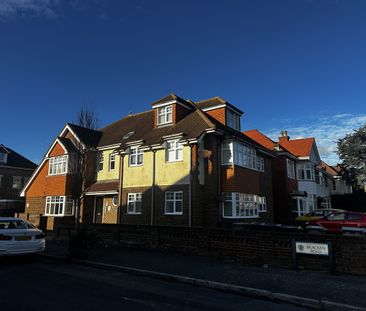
<point x="13" y="224"/>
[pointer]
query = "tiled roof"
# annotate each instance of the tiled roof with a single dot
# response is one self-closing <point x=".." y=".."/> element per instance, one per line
<point x="3" y="149"/>
<point x="170" y="97"/>
<point x="16" y="160"/>
<point x="261" y="139"/>
<point x="329" y="169"/>
<point x="67" y="143"/>
<point x="89" y="137"/>
<point x="214" y="101"/>
<point x="142" y="124"/>
<point x="104" y="186"/>
<point x="299" y="147"/>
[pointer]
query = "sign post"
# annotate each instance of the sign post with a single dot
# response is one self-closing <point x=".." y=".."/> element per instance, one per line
<point x="314" y="249"/>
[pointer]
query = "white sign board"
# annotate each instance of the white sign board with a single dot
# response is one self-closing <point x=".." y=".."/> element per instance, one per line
<point x="312" y="248"/>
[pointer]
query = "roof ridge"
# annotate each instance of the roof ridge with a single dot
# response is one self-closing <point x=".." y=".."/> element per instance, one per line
<point x="211" y="98"/>
<point x="125" y="117"/>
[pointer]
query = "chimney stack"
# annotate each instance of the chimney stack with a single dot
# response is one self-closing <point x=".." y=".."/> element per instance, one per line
<point x="283" y="137"/>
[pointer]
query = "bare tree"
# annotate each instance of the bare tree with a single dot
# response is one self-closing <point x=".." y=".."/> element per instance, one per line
<point x="87" y="118"/>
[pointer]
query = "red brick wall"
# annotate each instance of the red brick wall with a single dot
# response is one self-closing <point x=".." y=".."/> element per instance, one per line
<point x="57" y="150"/>
<point x="218" y="114"/>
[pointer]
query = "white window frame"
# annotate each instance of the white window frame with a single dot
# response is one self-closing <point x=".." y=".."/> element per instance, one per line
<point x="100" y="162"/>
<point x="241" y="155"/>
<point x="306" y="171"/>
<point x="290" y="164"/>
<point x="3" y="157"/>
<point x="132" y="200"/>
<point x="58" y="165"/>
<point x="17" y="182"/>
<point x="56" y="205"/>
<point x="112" y="159"/>
<point x="262" y="204"/>
<point x="135" y="154"/>
<point x="175" y="148"/>
<point x="232" y="120"/>
<point x="243" y="205"/>
<point x="166" y="114"/>
<point x="177" y="197"/>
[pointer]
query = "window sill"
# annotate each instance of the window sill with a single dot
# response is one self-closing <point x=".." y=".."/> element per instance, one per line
<point x="133" y="213"/>
<point x="134" y="165"/>
<point x="173" y="214"/>
<point x="57" y="216"/>
<point x="174" y="161"/>
<point x="240" y="217"/>
<point x="52" y="175"/>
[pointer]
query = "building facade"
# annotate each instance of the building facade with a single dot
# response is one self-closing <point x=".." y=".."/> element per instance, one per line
<point x="180" y="163"/>
<point x="15" y="171"/>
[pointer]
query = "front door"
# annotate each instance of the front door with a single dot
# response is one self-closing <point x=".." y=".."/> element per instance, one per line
<point x="98" y="210"/>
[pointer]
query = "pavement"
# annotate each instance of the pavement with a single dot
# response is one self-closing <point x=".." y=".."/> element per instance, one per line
<point x="327" y="289"/>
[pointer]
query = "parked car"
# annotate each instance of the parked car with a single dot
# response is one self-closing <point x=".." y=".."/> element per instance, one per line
<point x="315" y="215"/>
<point x="339" y="222"/>
<point x="20" y="237"/>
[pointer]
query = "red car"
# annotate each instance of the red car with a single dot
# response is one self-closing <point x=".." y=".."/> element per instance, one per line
<point x="340" y="222"/>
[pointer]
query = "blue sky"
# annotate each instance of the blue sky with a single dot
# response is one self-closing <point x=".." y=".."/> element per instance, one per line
<point x="296" y="65"/>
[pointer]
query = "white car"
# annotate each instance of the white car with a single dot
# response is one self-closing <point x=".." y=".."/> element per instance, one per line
<point x="20" y="237"/>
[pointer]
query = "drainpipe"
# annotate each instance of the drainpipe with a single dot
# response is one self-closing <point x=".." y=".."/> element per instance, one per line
<point x="121" y="162"/>
<point x="190" y="191"/>
<point x="219" y="175"/>
<point x="153" y="188"/>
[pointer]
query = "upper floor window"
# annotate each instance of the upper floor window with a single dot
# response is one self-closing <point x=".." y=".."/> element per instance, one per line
<point x="239" y="154"/>
<point x="136" y="156"/>
<point x="165" y="115"/>
<point x="1" y="179"/>
<point x="233" y="120"/>
<point x="305" y="171"/>
<point x="290" y="168"/>
<point x="17" y="182"/>
<point x="58" y="165"/>
<point x="100" y="161"/>
<point x="59" y="206"/>
<point x="112" y="162"/>
<point x="174" y="151"/>
<point x="3" y="157"/>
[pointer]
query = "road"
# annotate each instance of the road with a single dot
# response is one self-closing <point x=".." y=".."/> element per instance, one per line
<point x="41" y="284"/>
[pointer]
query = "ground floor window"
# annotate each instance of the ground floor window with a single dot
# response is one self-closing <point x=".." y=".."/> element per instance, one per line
<point x="134" y="203"/>
<point x="306" y="205"/>
<point x="242" y="205"/>
<point x="59" y="206"/>
<point x="174" y="202"/>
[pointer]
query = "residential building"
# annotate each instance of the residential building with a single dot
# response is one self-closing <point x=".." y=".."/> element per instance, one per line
<point x="337" y="184"/>
<point x="15" y="171"/>
<point x="181" y="163"/>
<point x="285" y="185"/>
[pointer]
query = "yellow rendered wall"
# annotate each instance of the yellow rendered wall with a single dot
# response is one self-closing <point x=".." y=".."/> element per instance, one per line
<point x="138" y="176"/>
<point x="171" y="173"/>
<point x="166" y="173"/>
<point x="105" y="174"/>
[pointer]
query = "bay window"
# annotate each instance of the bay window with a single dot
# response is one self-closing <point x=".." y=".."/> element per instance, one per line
<point x="239" y="154"/>
<point x="242" y="205"/>
<point x="290" y="168"/>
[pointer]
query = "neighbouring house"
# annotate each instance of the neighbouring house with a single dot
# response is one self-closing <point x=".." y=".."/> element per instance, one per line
<point x="300" y="181"/>
<point x="180" y="163"/>
<point x="285" y="185"/>
<point x="15" y="171"/>
<point x="337" y="184"/>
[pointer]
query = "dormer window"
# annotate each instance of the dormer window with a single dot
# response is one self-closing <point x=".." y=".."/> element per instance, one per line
<point x="3" y="157"/>
<point x="233" y="120"/>
<point x="165" y="115"/>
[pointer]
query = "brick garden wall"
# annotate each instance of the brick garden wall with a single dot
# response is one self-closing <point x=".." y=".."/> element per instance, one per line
<point x="246" y="246"/>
